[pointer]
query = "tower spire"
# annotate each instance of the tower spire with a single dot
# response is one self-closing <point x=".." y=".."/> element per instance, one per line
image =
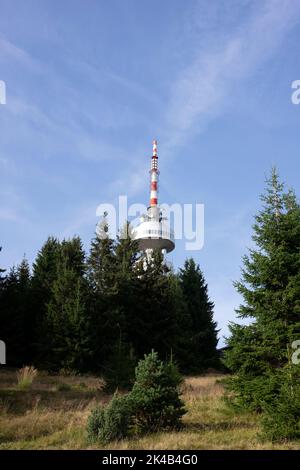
<point x="154" y="232"/>
<point x="154" y="172"/>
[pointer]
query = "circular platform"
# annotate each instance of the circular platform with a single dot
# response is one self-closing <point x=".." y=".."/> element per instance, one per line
<point x="154" y="235"/>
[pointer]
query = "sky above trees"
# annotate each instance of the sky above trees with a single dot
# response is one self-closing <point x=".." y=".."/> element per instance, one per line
<point x="90" y="84"/>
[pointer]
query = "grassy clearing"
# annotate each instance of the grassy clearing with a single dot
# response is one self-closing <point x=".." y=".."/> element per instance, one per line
<point x="53" y="415"/>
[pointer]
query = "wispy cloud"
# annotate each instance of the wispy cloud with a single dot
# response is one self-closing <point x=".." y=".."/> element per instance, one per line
<point x="203" y="89"/>
<point x="8" y="50"/>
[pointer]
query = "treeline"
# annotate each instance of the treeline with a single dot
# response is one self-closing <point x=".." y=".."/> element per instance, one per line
<point x="103" y="311"/>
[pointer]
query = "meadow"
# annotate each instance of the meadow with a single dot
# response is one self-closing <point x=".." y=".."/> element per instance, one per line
<point x="52" y="414"/>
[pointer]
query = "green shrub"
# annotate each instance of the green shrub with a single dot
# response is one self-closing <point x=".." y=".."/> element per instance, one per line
<point x="153" y="404"/>
<point x="95" y="423"/>
<point x="155" y="397"/>
<point x="281" y="419"/>
<point x="110" y="423"/>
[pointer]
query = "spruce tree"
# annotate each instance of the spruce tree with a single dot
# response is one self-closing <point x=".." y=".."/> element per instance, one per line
<point x="44" y="273"/>
<point x="25" y="306"/>
<point x="155" y="325"/>
<point x="11" y="320"/>
<point x="68" y="322"/>
<point x="155" y="397"/>
<point x="101" y="267"/>
<point x="182" y="349"/>
<point x="57" y="264"/>
<point x="201" y="329"/>
<point x="15" y="315"/>
<point x="73" y="254"/>
<point x="101" y="261"/>
<point x="260" y="354"/>
<point x="119" y="367"/>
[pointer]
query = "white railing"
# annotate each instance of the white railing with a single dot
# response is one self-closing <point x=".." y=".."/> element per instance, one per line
<point x="169" y="234"/>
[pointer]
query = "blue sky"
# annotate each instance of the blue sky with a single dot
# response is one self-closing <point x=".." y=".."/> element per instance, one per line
<point x="91" y="83"/>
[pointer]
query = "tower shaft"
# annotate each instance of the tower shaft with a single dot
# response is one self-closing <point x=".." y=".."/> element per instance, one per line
<point x="154" y="232"/>
<point x="154" y="173"/>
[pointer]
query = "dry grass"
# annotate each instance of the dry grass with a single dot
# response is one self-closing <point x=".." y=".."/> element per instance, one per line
<point x="26" y="376"/>
<point x="48" y="418"/>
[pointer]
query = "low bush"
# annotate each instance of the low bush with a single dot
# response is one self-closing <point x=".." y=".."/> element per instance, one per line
<point x="281" y="418"/>
<point x="112" y="422"/>
<point x="153" y="404"/>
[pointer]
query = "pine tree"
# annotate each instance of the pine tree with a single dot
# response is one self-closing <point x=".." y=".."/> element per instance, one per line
<point x="44" y="273"/>
<point x="68" y="323"/>
<point x="155" y="325"/>
<point x="182" y="349"/>
<point x="101" y="266"/>
<point x="203" y="329"/>
<point x="54" y="261"/>
<point x="15" y="315"/>
<point x="73" y="254"/>
<point x="155" y="397"/>
<point x="101" y="262"/>
<point x="11" y="320"/>
<point x="119" y="367"/>
<point x="45" y="270"/>
<point x="25" y="306"/>
<point x="260" y="353"/>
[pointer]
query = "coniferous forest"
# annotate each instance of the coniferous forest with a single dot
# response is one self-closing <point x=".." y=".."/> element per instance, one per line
<point x="149" y="231"/>
<point x="102" y="311"/>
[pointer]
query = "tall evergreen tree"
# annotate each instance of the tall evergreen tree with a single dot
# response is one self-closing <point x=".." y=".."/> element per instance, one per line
<point x="54" y="261"/>
<point x="68" y="322"/>
<point x="203" y="332"/>
<point x="101" y="261"/>
<point x="25" y="307"/>
<point x="11" y="319"/>
<point x="44" y="273"/>
<point x="127" y="281"/>
<point x="73" y="255"/>
<point x="155" y="325"/>
<point x="182" y="349"/>
<point x="15" y="315"/>
<point x="101" y="267"/>
<point x="260" y="353"/>
<point x="120" y="364"/>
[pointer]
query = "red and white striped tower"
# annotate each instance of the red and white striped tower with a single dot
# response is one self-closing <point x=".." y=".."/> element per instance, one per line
<point x="154" y="232"/>
<point x="154" y="173"/>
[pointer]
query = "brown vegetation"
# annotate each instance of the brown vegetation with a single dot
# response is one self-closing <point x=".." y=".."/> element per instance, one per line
<point x="49" y="416"/>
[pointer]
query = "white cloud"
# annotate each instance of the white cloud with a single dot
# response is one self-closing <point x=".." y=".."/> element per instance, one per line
<point x="203" y="89"/>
